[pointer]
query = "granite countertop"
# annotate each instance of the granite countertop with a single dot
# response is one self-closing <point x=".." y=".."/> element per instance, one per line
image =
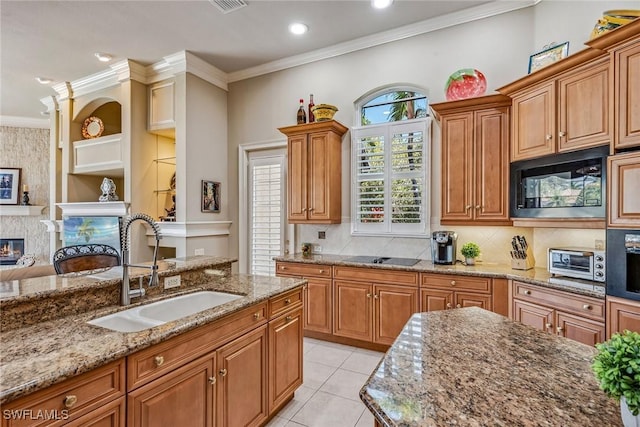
<point x="535" y="276"/>
<point x="472" y="367"/>
<point x="36" y="356"/>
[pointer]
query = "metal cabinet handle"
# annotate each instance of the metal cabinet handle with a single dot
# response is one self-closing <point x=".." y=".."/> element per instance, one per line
<point x="466" y="208"/>
<point x="304" y="209"/>
<point x="453" y="283"/>
<point x="548" y="137"/>
<point x="159" y="360"/>
<point x="70" y="400"/>
<point x="282" y="267"/>
<point x="478" y="206"/>
<point x="311" y="209"/>
<point x="212" y="380"/>
<point x="256" y="316"/>
<point x="375" y="296"/>
<point x="448" y="305"/>
<point x="223" y="372"/>
<point x="559" y="329"/>
<point x="586" y="307"/>
<point x="549" y="325"/>
<point x="562" y="134"/>
<point x="526" y="292"/>
<point x="368" y="295"/>
<point x="458" y="306"/>
<point x="321" y="271"/>
<point x="287" y="301"/>
<point x="288" y="319"/>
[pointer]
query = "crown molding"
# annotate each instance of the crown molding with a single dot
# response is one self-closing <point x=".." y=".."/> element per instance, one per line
<point x="186" y="62"/>
<point x="50" y="102"/>
<point x="479" y="12"/>
<point x="63" y="90"/>
<point x="24" y="122"/>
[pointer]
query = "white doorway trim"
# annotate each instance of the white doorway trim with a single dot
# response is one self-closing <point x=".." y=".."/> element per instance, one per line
<point x="243" y="209"/>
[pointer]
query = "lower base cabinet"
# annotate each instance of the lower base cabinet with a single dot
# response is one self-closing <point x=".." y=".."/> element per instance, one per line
<point x="579" y="318"/>
<point x="622" y="314"/>
<point x="285" y="357"/>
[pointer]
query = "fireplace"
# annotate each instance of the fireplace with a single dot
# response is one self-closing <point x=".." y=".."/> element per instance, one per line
<point x="11" y="250"/>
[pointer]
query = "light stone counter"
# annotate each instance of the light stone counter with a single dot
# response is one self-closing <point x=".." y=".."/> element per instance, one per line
<point x="35" y="356"/>
<point x="471" y="367"/>
<point x="535" y="276"/>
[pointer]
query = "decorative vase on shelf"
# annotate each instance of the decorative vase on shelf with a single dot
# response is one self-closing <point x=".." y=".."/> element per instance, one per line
<point x="108" y="188"/>
<point x="628" y="419"/>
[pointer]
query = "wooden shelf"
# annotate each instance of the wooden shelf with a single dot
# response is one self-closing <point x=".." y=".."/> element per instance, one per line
<point x="19" y="210"/>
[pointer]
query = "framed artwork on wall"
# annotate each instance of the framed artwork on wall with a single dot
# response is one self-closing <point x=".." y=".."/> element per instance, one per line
<point x="210" y="196"/>
<point x="548" y="56"/>
<point x="9" y="186"/>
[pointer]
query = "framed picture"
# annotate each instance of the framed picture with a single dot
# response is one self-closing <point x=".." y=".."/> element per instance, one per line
<point x="210" y="196"/>
<point x="548" y="56"/>
<point x="9" y="186"/>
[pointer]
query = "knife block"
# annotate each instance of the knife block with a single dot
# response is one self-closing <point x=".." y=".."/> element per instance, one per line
<point x="524" y="264"/>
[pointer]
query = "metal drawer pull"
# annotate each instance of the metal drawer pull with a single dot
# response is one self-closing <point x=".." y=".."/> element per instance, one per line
<point x="256" y="316"/>
<point x="223" y="372"/>
<point x="212" y="380"/>
<point x="321" y="271"/>
<point x="549" y="325"/>
<point x="559" y="329"/>
<point x="526" y="292"/>
<point x="159" y="360"/>
<point x="587" y="306"/>
<point x="288" y="319"/>
<point x="453" y="283"/>
<point x="70" y="400"/>
<point x="458" y="306"/>
<point x="287" y="301"/>
<point x="282" y="267"/>
<point x="448" y="305"/>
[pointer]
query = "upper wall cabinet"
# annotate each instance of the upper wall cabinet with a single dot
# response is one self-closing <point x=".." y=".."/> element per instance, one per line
<point x="623" y="45"/>
<point x="475" y="160"/>
<point x="314" y="168"/>
<point x="162" y="110"/>
<point x="624" y="181"/>
<point x="565" y="112"/>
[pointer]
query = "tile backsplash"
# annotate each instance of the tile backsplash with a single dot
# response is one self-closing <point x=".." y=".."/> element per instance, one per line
<point x="494" y="242"/>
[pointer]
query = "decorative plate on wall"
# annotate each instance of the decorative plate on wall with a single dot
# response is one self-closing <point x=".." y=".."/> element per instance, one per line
<point x="92" y="128"/>
<point x="465" y="83"/>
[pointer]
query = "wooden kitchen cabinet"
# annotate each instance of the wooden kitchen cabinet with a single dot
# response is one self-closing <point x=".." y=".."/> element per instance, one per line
<point x="577" y="317"/>
<point x="317" y="296"/>
<point x="475" y="160"/>
<point x="624" y="181"/>
<point x="314" y="183"/>
<point x="242" y="381"/>
<point x="367" y="310"/>
<point x="96" y="397"/>
<point x="285" y="356"/>
<point x="445" y="291"/>
<point x="622" y="314"/>
<point x="565" y="107"/>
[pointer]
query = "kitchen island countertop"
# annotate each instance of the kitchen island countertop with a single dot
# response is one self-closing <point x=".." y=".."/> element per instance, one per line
<point x="472" y="367"/>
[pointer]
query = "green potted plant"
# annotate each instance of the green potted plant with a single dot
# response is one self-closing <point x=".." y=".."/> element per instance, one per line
<point x="470" y="251"/>
<point x="617" y="369"/>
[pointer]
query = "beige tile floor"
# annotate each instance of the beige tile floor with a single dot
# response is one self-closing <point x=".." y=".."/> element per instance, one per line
<point x="328" y="397"/>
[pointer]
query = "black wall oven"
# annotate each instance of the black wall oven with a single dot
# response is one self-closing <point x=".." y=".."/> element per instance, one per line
<point x="567" y="185"/>
<point x="623" y="263"/>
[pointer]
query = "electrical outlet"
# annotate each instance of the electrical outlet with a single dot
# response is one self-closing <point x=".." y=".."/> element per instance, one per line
<point x="317" y="249"/>
<point x="199" y="251"/>
<point x="599" y="244"/>
<point x="172" y="282"/>
<point x="322" y="234"/>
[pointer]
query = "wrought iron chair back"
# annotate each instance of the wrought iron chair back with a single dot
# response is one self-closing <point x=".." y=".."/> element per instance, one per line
<point x="85" y="257"/>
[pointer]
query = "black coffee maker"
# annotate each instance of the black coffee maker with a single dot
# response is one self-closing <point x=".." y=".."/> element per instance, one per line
<point x="443" y="247"/>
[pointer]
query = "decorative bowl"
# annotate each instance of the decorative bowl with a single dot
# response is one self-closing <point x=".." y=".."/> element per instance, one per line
<point x="323" y="112"/>
<point x="612" y="19"/>
<point x="465" y="83"/>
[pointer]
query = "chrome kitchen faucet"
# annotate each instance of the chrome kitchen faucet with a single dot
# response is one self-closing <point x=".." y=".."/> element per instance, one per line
<point x="126" y="294"/>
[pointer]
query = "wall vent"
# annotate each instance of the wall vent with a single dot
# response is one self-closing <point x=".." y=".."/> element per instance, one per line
<point x="227" y="6"/>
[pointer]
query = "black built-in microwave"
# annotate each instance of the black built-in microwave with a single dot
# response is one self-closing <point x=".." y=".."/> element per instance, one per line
<point x="566" y="185"/>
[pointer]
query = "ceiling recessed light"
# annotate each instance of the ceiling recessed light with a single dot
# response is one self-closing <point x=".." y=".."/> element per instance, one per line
<point x="44" y="80"/>
<point x="103" y="57"/>
<point x="298" y="28"/>
<point x="381" y="4"/>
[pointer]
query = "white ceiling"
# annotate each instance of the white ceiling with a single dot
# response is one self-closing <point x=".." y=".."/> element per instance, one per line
<point x="57" y="39"/>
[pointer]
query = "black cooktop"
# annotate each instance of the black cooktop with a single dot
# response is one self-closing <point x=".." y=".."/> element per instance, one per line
<point x="405" y="262"/>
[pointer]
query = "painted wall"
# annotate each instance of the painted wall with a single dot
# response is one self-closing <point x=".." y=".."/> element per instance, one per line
<point x="499" y="46"/>
<point x="28" y="149"/>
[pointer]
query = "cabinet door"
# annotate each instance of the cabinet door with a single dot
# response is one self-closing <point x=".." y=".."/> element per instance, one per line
<point x="467" y="299"/>
<point x="242" y="381"/>
<point x="533" y="123"/>
<point x="622" y="314"/>
<point x="433" y="300"/>
<point x="352" y="310"/>
<point x="491" y="152"/>
<point x="110" y="415"/>
<point x="297" y="177"/>
<point x="184" y="397"/>
<point x="624" y="181"/>
<point x="324" y="191"/>
<point x="285" y="357"/>
<point x="394" y="305"/>
<point x="579" y="329"/>
<point x="627" y="95"/>
<point x="162" y="106"/>
<point x="533" y="315"/>
<point x="584" y="118"/>
<point x="317" y="303"/>
<point x="457" y="173"/>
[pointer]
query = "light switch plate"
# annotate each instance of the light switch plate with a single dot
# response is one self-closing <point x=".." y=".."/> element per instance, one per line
<point x="172" y="282"/>
<point x="199" y="251"/>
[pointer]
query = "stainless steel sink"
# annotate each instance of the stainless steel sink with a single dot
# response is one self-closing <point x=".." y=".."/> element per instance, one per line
<point x="147" y="316"/>
<point x="407" y="262"/>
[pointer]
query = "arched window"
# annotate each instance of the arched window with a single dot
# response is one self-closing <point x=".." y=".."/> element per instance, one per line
<point x="390" y="164"/>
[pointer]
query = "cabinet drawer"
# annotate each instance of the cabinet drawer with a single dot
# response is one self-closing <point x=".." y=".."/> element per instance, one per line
<point x="302" y="269"/>
<point x="565" y="301"/>
<point x="72" y="398"/>
<point x="377" y="275"/>
<point x="455" y="282"/>
<point x="151" y="363"/>
<point x="283" y="303"/>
